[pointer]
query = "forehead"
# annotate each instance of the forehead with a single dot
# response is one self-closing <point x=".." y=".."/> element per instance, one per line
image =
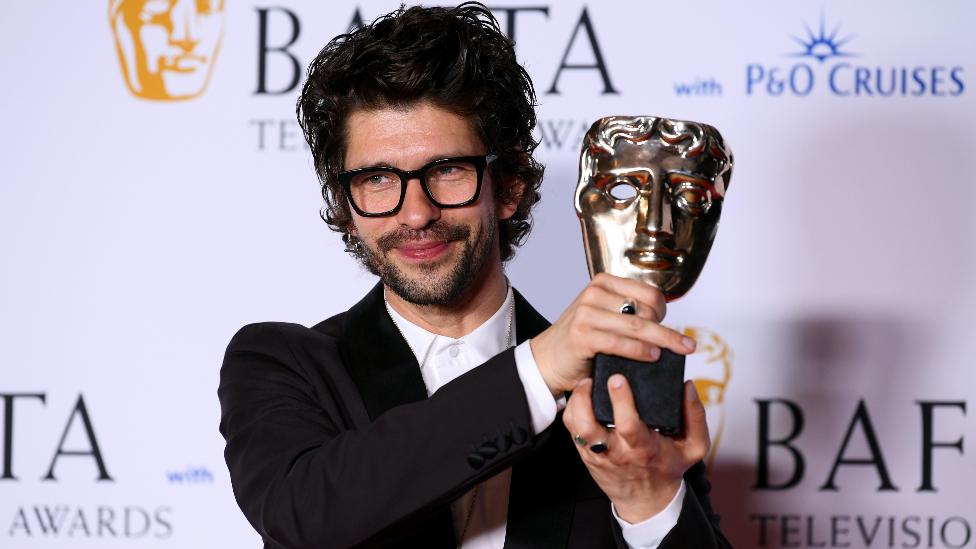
<point x="135" y="7"/>
<point x="408" y="137"/>
<point x="655" y="156"/>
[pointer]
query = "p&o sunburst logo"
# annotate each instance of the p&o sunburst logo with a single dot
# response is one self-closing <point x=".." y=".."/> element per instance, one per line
<point x="822" y="46"/>
<point x="167" y="48"/>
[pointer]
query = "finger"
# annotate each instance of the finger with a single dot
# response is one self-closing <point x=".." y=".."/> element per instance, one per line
<point x="696" y="440"/>
<point x="631" y="327"/>
<point x="626" y="420"/>
<point x="568" y="416"/>
<point x="605" y="298"/>
<point x="584" y="422"/>
<point x="599" y="331"/>
<point x="643" y="293"/>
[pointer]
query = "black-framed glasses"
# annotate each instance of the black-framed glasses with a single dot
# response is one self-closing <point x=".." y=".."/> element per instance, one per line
<point x="377" y="191"/>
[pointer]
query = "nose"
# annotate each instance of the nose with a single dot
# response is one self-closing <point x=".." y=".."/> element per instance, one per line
<point x="654" y="213"/>
<point x="417" y="211"/>
<point x="185" y="34"/>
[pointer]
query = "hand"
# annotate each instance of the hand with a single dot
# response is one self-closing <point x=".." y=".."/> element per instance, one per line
<point x="593" y="324"/>
<point x="640" y="470"/>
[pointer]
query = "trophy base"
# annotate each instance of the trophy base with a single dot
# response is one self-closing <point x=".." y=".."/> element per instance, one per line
<point x="658" y="389"/>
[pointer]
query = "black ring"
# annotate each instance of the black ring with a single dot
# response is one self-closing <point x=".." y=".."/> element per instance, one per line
<point x="629" y="307"/>
<point x="598" y="447"/>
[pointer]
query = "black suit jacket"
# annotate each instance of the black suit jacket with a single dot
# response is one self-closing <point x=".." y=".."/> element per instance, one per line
<point x="332" y="442"/>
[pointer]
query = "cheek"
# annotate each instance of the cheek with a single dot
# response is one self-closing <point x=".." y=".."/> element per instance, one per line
<point x="687" y="230"/>
<point x="593" y="202"/>
<point x="211" y="31"/>
<point x="702" y="230"/>
<point x="479" y="226"/>
<point x="363" y="227"/>
<point x="154" y="39"/>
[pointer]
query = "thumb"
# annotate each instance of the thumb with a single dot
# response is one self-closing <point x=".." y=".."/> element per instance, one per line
<point x="697" y="441"/>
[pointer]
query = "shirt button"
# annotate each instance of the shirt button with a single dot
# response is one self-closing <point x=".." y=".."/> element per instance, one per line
<point x="455" y="351"/>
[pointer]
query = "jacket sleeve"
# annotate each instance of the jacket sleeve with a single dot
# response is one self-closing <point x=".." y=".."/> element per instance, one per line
<point x="304" y="479"/>
<point x="698" y="525"/>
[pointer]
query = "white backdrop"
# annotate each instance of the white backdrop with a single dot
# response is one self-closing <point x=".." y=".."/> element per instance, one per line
<point x="137" y="235"/>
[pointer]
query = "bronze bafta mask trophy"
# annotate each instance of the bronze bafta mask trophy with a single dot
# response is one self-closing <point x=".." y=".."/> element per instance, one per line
<point x="649" y="199"/>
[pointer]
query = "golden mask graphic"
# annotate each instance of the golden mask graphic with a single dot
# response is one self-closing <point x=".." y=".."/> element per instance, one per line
<point x="167" y="48"/>
<point x="710" y="367"/>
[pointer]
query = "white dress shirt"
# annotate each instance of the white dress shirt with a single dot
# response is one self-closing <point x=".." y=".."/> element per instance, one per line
<point x="442" y="359"/>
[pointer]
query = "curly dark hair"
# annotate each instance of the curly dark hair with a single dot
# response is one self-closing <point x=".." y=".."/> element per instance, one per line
<point x="454" y="58"/>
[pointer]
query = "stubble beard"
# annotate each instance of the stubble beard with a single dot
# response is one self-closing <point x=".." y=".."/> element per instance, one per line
<point x="427" y="288"/>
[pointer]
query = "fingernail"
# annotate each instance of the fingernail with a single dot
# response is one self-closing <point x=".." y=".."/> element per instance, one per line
<point x="654" y="354"/>
<point x="688" y="343"/>
<point x="616" y="381"/>
<point x="694" y="391"/>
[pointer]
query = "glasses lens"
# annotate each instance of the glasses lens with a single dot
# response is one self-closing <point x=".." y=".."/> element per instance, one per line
<point x="452" y="182"/>
<point x="375" y="191"/>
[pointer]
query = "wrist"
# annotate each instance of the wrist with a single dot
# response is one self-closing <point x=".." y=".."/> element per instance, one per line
<point x="637" y="509"/>
<point x="553" y="382"/>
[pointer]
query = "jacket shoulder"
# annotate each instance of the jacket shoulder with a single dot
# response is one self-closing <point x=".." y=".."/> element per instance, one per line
<point x="265" y="336"/>
<point x="261" y="331"/>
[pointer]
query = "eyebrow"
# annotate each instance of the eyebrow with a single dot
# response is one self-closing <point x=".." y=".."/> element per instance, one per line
<point x="427" y="160"/>
<point x="703" y="181"/>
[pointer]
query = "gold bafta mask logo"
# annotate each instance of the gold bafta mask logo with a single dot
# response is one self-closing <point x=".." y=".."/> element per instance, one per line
<point x="167" y="48"/>
<point x="710" y="367"/>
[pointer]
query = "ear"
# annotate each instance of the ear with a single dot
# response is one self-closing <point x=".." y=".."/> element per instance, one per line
<point x="507" y="203"/>
<point x="351" y="228"/>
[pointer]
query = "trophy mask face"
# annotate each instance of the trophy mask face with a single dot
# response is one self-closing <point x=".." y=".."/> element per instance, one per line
<point x="167" y="48"/>
<point x="649" y="197"/>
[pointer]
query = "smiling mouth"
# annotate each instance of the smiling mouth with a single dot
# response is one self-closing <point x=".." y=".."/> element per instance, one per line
<point x="423" y="250"/>
<point x="184" y="63"/>
<point x="655" y="259"/>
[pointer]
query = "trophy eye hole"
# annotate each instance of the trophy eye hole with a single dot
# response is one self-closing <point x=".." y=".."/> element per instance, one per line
<point x="622" y="191"/>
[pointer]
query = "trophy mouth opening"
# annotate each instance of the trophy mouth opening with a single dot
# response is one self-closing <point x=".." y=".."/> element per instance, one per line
<point x="654" y="259"/>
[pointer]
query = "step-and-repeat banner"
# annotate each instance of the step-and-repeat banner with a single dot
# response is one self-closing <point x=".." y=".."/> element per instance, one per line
<point x="157" y="195"/>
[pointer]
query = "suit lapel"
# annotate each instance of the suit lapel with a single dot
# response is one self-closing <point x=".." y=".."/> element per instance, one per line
<point x="540" y="501"/>
<point x="377" y="357"/>
<point x="386" y="372"/>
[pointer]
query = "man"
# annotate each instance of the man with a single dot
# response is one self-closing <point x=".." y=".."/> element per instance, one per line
<point x="408" y="421"/>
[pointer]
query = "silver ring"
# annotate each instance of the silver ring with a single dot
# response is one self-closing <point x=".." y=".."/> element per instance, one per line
<point x="579" y="440"/>
<point x="628" y="308"/>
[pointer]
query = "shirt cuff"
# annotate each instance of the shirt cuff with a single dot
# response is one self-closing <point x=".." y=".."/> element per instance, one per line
<point x="648" y="534"/>
<point x="542" y="406"/>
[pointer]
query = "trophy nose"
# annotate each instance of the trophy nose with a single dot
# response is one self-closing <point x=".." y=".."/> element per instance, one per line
<point x="653" y="215"/>
<point x="185" y="26"/>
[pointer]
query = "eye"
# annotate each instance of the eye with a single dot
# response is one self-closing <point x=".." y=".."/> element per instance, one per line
<point x="622" y="190"/>
<point x="452" y="171"/>
<point x="156" y="7"/>
<point x="378" y="179"/>
<point x="375" y="181"/>
<point x="205" y="7"/>
<point x="691" y="198"/>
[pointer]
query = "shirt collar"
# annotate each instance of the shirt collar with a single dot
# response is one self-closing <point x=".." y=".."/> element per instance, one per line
<point x="487" y="340"/>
